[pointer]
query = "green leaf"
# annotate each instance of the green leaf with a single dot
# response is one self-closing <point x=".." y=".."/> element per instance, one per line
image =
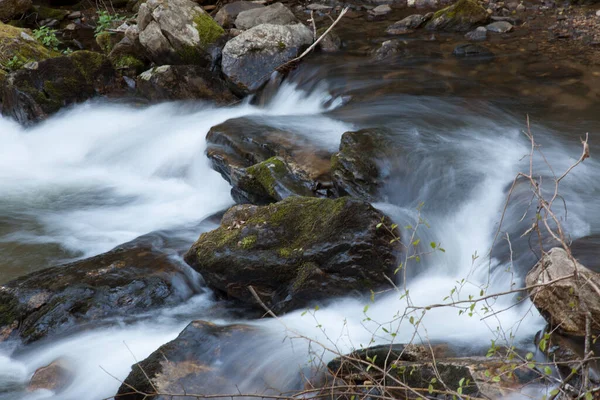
<point x="554" y="392"/>
<point x="416" y="242"/>
<point x="303" y="313"/>
<point x="432" y="244"/>
<point x="366" y="309"/>
<point x="411" y="320"/>
<point x="394" y="226"/>
<point x="496" y="378"/>
<point x="548" y="370"/>
<point x="377" y="226"/>
<point x="529" y="356"/>
<point x="589" y="396"/>
<point x="462" y="380"/>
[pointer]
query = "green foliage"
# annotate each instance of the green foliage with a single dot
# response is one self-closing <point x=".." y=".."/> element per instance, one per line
<point x="13" y="64"/>
<point x="106" y="21"/>
<point x="47" y="37"/>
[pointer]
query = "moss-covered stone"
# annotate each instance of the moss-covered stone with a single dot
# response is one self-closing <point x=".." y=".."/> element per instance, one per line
<point x="17" y="43"/>
<point x="462" y="16"/>
<point x="50" y="13"/>
<point x="129" y="62"/>
<point x="208" y="30"/>
<point x="295" y="252"/>
<point x="106" y="41"/>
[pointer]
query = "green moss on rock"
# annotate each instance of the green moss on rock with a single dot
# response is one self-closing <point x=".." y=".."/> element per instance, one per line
<point x="17" y="42"/>
<point x="461" y="16"/>
<point x="248" y="242"/>
<point x="128" y="61"/>
<point x="105" y="41"/>
<point x="208" y="30"/>
<point x="50" y="13"/>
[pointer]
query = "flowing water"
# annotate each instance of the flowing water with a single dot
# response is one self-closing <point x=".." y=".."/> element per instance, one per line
<point x="101" y="174"/>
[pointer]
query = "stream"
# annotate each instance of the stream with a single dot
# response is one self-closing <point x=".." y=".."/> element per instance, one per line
<point x="103" y="173"/>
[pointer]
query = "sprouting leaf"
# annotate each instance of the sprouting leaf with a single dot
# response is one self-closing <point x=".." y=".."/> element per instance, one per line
<point x="433" y="245"/>
<point x="416" y="242"/>
<point x="430" y="389"/>
<point x="589" y="396"/>
<point x="496" y="378"/>
<point x="394" y="226"/>
<point x="548" y="370"/>
<point x="411" y="320"/>
<point x="442" y="250"/>
<point x="303" y="313"/>
<point x="461" y="382"/>
<point x="316" y="308"/>
<point x="385" y="330"/>
<point x="365" y="309"/>
<point x="529" y="356"/>
<point x="554" y="392"/>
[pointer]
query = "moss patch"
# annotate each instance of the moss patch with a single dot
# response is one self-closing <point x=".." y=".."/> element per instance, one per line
<point x="105" y="41"/>
<point x="50" y="13"/>
<point x="267" y="172"/>
<point x="208" y="30"/>
<point x="129" y="61"/>
<point x="248" y="242"/>
<point x="17" y="42"/>
<point x="88" y="63"/>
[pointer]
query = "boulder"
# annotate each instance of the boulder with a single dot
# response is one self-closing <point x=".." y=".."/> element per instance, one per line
<point x="297" y="252"/>
<point x="499" y="27"/>
<point x="177" y="32"/>
<point x="275" y="14"/>
<point x="191" y="363"/>
<point x="55" y="377"/>
<point x="250" y="58"/>
<point x="477" y="35"/>
<point x="472" y="50"/>
<point x="363" y="163"/>
<point x="183" y="82"/>
<point x="42" y="88"/>
<point x="228" y="13"/>
<point x="462" y="16"/>
<point x="13" y="9"/>
<point x="238" y="144"/>
<point x="19" y="47"/>
<point x="330" y="43"/>
<point x="128" y="280"/>
<point x="390" y="48"/>
<point x="565" y="303"/>
<point x="406" y="25"/>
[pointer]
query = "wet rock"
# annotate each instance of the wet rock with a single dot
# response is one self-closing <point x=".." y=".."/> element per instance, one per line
<point x="193" y="363"/>
<point x="270" y="181"/>
<point x="55" y="377"/>
<point x="128" y="55"/>
<point x="564" y="303"/>
<point x="275" y="14"/>
<point x="477" y="35"/>
<point x="420" y="4"/>
<point x="381" y="10"/>
<point x="228" y="13"/>
<point x="183" y="82"/>
<point x="107" y="41"/>
<point x="406" y="25"/>
<point x="177" y="32"/>
<point x="586" y="250"/>
<point x="131" y="279"/>
<point x="363" y="163"/>
<point x="250" y="58"/>
<point x="390" y="48"/>
<point x="499" y="27"/>
<point x="13" y="9"/>
<point x="242" y="143"/>
<point x="43" y="88"/>
<point x="19" y="47"/>
<point x="330" y="43"/>
<point x="472" y="50"/>
<point x="318" y="7"/>
<point x="462" y="16"/>
<point x="296" y="253"/>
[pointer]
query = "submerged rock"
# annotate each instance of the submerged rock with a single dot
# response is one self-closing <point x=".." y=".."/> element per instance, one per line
<point x="250" y="58"/>
<point x="56" y="376"/>
<point x="464" y="15"/>
<point x="472" y="50"/>
<point x="177" y="32"/>
<point x="229" y="12"/>
<point x="564" y="303"/>
<point x="275" y="14"/>
<point x="131" y="279"/>
<point x="43" y="88"/>
<point x="183" y="82"/>
<point x="297" y="252"/>
<point x="406" y="25"/>
<point x="477" y="35"/>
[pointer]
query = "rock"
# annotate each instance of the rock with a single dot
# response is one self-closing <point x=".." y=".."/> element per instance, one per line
<point x="228" y="13"/>
<point x="131" y="279"/>
<point x="74" y="15"/>
<point x="563" y="303"/>
<point x="47" y="13"/>
<point x="19" y="47"/>
<point x="419" y="4"/>
<point x="193" y="363"/>
<point x="33" y="93"/>
<point x="477" y="35"/>
<point x="406" y="25"/>
<point x="381" y="10"/>
<point x="330" y="43"/>
<point x="297" y="252"/>
<point x="472" y="50"/>
<point x="499" y="27"/>
<point x="250" y="58"/>
<point x="183" y="82"/>
<point x="363" y="163"/>
<point x="13" y="9"/>
<point x="107" y="41"/>
<point x="390" y="48"/>
<point x="521" y="8"/>
<point x="270" y="181"/>
<point x="128" y="56"/>
<point x="241" y="143"/>
<point x="177" y="32"/>
<point x="275" y="14"/>
<point x="318" y="7"/>
<point x="55" y="377"/>
<point x="464" y="15"/>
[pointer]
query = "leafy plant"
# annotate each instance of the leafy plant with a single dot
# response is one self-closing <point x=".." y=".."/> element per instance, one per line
<point x="13" y="64"/>
<point x="47" y="37"/>
<point x="106" y="21"/>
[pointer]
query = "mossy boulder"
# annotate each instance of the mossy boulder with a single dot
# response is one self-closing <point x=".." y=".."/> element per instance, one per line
<point x="270" y="181"/>
<point x="128" y="55"/>
<point x="19" y="47"/>
<point x="178" y="32"/>
<point x="241" y="143"/>
<point x="203" y="359"/>
<point x="297" y="252"/>
<point x="107" y="41"/>
<point x="42" y="13"/>
<point x="366" y="161"/>
<point x="133" y="278"/>
<point x="183" y="82"/>
<point x="462" y="16"/>
<point x="31" y="94"/>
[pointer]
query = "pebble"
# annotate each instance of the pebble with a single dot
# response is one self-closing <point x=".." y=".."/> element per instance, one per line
<point x="499" y="27"/>
<point x="381" y="10"/>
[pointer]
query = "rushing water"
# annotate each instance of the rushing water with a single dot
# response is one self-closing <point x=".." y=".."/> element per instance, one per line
<point x="99" y="175"/>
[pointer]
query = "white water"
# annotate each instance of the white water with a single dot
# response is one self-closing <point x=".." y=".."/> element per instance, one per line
<point x="99" y="175"/>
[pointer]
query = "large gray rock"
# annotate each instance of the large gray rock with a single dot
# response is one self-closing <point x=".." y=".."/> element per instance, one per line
<point x="275" y="14"/>
<point x="297" y="252"/>
<point x="250" y="58"/>
<point x="10" y="9"/>
<point x="564" y="303"/>
<point x="462" y="16"/>
<point x="177" y="32"/>
<point x="406" y="25"/>
<point x="229" y="12"/>
<point x="183" y="82"/>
